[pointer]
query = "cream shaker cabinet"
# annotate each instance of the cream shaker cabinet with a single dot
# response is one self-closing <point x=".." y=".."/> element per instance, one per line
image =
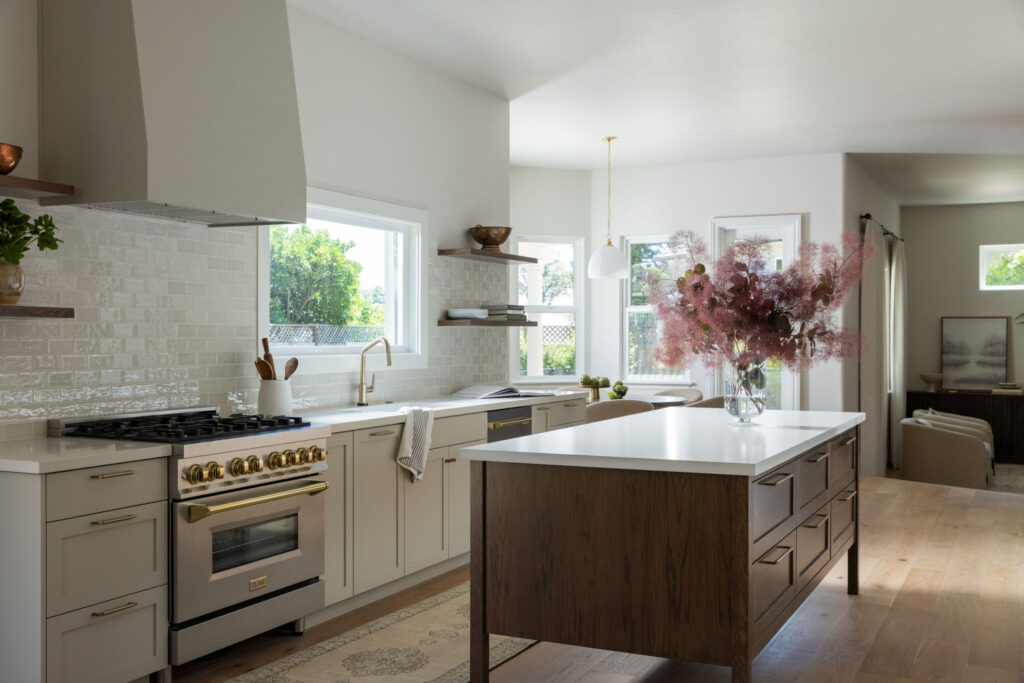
<point x="456" y="472"/>
<point x="378" y="509"/>
<point x="426" y="514"/>
<point x="338" y="519"/>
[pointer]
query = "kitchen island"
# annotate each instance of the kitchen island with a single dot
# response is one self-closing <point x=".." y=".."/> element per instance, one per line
<point x="670" y="533"/>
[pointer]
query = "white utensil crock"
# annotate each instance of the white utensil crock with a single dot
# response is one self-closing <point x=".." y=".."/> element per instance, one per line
<point x="275" y="397"/>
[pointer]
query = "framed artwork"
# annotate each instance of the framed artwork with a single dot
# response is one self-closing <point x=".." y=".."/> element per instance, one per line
<point x="974" y="354"/>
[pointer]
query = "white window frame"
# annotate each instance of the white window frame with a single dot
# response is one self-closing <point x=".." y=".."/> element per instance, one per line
<point x="674" y="379"/>
<point x="577" y="309"/>
<point x="789" y="227"/>
<point x="368" y="213"/>
<point x="983" y="251"/>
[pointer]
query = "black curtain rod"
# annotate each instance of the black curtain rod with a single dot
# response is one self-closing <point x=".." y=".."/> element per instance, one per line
<point x="885" y="231"/>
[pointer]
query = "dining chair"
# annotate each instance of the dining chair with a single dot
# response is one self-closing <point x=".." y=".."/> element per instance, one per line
<point x="691" y="395"/>
<point x="606" y="410"/>
<point x="713" y="402"/>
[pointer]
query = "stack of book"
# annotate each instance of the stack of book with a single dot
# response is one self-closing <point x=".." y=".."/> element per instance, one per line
<point x="1008" y="389"/>
<point x="506" y="312"/>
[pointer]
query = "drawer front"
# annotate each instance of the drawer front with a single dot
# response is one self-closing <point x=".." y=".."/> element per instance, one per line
<point x="568" y="412"/>
<point x="812" y="480"/>
<point x="448" y="431"/>
<point x="83" y="492"/>
<point x="773" y="583"/>
<point x="813" y="545"/>
<point x="843" y="510"/>
<point x="117" y="640"/>
<point x="843" y="465"/>
<point x="772" y="508"/>
<point x="100" y="557"/>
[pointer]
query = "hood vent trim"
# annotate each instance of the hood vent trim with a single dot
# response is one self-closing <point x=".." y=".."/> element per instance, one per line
<point x="181" y="214"/>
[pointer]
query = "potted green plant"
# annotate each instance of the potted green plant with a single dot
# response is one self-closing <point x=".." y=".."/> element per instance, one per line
<point x="18" y="231"/>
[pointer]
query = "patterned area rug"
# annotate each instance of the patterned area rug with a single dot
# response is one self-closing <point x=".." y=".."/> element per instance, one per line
<point x="1009" y="478"/>
<point x="427" y="642"/>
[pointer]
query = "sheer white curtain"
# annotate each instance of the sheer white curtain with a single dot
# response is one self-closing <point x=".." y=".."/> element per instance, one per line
<point x="874" y="371"/>
<point x="897" y="349"/>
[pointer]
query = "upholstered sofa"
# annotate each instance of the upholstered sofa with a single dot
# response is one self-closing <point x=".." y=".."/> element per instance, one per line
<point x="942" y="452"/>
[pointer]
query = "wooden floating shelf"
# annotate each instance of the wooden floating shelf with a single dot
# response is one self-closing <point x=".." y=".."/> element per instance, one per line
<point x="26" y="188"/>
<point x="481" y="322"/>
<point x="487" y="256"/>
<point x="36" y="312"/>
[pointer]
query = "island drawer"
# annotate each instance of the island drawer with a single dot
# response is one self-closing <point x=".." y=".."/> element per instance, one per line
<point x="812" y="480"/>
<point x="843" y="461"/>
<point x="98" y="557"/>
<point x="83" y="492"/>
<point x="843" y="510"/>
<point x="773" y="583"/>
<point x="813" y="544"/>
<point x="772" y="508"/>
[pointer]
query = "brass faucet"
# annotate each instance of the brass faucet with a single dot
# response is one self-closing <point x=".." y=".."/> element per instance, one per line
<point x="363" y="389"/>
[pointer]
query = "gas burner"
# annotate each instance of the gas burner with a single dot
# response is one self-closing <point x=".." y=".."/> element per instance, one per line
<point x="182" y="427"/>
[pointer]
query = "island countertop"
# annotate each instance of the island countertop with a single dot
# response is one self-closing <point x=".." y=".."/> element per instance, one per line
<point x="699" y="440"/>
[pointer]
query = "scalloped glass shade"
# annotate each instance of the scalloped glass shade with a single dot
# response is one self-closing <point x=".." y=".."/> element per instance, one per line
<point x="608" y="263"/>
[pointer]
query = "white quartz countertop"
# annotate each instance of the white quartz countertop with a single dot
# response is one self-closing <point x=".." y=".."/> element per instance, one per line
<point x="378" y="415"/>
<point x="700" y="440"/>
<point x="43" y="455"/>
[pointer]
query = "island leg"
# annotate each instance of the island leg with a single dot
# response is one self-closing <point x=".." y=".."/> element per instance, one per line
<point x="741" y="669"/>
<point x="479" y="639"/>
<point x="853" y="557"/>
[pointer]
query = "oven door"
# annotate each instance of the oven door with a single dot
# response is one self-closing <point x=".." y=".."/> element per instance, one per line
<point x="233" y="547"/>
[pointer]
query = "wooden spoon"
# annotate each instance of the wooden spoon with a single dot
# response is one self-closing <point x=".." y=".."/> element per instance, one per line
<point x="269" y="358"/>
<point x="290" y="367"/>
<point x="264" y="369"/>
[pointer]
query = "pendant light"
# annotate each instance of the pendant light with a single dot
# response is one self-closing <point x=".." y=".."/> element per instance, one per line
<point x="608" y="262"/>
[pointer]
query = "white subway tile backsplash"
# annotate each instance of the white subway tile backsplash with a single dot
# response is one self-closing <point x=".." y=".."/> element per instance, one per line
<point x="166" y="318"/>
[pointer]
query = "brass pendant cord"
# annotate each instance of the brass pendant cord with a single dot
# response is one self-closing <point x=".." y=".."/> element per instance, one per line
<point x="608" y="236"/>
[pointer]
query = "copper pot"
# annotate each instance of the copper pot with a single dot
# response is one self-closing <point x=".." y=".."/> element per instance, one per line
<point x="10" y="155"/>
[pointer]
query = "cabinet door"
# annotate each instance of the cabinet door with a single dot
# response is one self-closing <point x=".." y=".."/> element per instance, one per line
<point x="338" y="520"/>
<point x="541" y="418"/>
<point x="426" y="524"/>
<point x="457" y="471"/>
<point x="378" y="511"/>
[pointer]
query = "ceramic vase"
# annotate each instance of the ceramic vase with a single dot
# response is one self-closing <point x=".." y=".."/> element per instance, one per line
<point x="275" y="397"/>
<point x="745" y="391"/>
<point x="12" y="283"/>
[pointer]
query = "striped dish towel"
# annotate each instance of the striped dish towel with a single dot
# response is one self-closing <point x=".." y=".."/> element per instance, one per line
<point x="412" y="452"/>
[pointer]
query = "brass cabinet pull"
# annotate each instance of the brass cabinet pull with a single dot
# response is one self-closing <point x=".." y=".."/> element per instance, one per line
<point x="197" y="512"/>
<point x="824" y="518"/>
<point x="823" y="456"/>
<point x="387" y="433"/>
<point x="778" y="482"/>
<point x="115" y="520"/>
<point x="850" y="495"/>
<point x="111" y="475"/>
<point x="451" y="459"/>
<point x="778" y="560"/>
<point x="543" y="409"/>
<point x="510" y="423"/>
<point x="570" y="405"/>
<point x="115" y="610"/>
<point x="849" y="441"/>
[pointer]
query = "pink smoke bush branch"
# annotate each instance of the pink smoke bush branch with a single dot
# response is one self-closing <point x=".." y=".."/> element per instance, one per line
<point x="744" y="313"/>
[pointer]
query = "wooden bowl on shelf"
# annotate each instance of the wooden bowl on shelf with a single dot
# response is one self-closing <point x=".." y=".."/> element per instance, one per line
<point x="489" y="236"/>
<point x="933" y="379"/>
<point x="10" y="155"/>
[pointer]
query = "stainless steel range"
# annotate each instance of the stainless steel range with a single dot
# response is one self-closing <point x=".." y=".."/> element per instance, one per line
<point x="247" y="525"/>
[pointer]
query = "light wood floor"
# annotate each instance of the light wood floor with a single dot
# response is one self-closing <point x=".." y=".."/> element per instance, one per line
<point x="942" y="599"/>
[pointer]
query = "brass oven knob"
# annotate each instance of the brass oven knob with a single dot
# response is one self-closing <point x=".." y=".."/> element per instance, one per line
<point x="304" y="455"/>
<point x="276" y="460"/>
<point x="238" y="467"/>
<point x="318" y="453"/>
<point x="214" y="470"/>
<point x="254" y="463"/>
<point x="293" y="457"/>
<point x="195" y="474"/>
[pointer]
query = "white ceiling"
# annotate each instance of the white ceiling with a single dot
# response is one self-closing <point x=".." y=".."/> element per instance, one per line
<point x="682" y="81"/>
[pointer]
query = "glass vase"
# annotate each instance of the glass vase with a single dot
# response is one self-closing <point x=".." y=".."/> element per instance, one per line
<point x="745" y="391"/>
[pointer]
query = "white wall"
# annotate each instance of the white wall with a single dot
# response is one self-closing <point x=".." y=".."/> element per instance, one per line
<point x="942" y="277"/>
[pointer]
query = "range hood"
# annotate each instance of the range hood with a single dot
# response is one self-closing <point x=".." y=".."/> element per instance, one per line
<point x="181" y="109"/>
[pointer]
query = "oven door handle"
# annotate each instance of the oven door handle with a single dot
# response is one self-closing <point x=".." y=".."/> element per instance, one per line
<point x="198" y="512"/>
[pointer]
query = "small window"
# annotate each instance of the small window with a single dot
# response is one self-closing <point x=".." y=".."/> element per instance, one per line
<point x="550" y="291"/>
<point x="649" y="261"/>
<point x="1001" y="266"/>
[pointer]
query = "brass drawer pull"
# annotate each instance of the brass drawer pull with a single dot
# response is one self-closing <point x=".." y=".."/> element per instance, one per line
<point x="778" y="560"/>
<point x="543" y="409"/>
<point x="115" y="520"/>
<point x="821" y="457"/>
<point x="824" y="518"/>
<point x="570" y="405"/>
<point x="115" y="610"/>
<point x="850" y="495"/>
<point x="111" y="475"/>
<point x="387" y="433"/>
<point x="198" y="512"/>
<point x="777" y="482"/>
<point x="501" y="425"/>
<point x="849" y="441"/>
<point x="451" y="459"/>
